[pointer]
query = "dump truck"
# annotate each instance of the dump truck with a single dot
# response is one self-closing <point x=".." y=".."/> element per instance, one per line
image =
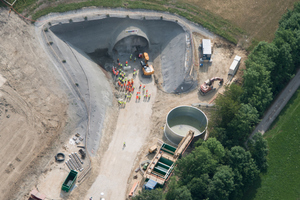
<point x="70" y="181"/>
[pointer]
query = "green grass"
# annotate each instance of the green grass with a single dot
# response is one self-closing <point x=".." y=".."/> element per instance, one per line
<point x="212" y="22"/>
<point x="282" y="180"/>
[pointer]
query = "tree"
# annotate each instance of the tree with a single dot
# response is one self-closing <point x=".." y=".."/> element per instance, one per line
<point x="242" y="124"/>
<point x="182" y="193"/>
<point x="227" y="105"/>
<point x="244" y="169"/>
<point x="196" y="169"/>
<point x="257" y="86"/>
<point x="259" y="149"/>
<point x="215" y="147"/>
<point x="199" y="186"/>
<point x="199" y="161"/>
<point x="222" y="184"/>
<point x="156" y="194"/>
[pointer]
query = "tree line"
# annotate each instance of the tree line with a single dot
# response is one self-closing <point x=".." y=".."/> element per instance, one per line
<point x="223" y="167"/>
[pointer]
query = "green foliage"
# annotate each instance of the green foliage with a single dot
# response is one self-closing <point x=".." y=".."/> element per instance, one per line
<point x="199" y="161"/>
<point x="232" y="120"/>
<point x="259" y="149"/>
<point x="210" y="171"/>
<point x="257" y="86"/>
<point x="222" y="184"/>
<point x="281" y="180"/>
<point x="244" y="165"/>
<point x="181" y="193"/>
<point x="242" y="124"/>
<point x="156" y="194"/>
<point x="227" y="105"/>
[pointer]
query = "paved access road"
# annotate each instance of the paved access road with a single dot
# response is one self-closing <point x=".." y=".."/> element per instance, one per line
<point x="278" y="105"/>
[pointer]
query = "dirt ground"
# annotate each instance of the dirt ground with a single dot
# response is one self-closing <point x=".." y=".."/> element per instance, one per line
<point x="33" y="107"/>
<point x="39" y="104"/>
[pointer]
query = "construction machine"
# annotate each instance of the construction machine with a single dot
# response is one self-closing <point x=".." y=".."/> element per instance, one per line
<point x="148" y="70"/>
<point x="207" y="86"/>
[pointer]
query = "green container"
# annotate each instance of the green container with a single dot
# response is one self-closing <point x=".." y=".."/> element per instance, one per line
<point x="70" y="181"/>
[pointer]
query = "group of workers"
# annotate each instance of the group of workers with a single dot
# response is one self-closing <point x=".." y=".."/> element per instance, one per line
<point x="147" y="95"/>
<point x="126" y="85"/>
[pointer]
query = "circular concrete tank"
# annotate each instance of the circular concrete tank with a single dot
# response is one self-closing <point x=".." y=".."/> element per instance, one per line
<point x="182" y="119"/>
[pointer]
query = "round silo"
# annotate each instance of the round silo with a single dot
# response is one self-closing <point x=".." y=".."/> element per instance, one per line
<point x="182" y="119"/>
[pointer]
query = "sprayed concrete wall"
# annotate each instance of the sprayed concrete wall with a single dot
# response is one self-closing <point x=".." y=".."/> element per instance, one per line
<point x="182" y="119"/>
<point x="166" y="43"/>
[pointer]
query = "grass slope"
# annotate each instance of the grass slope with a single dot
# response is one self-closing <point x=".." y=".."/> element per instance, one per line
<point x="208" y="19"/>
<point x="282" y="180"/>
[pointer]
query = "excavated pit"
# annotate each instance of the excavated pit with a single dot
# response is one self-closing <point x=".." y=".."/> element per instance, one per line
<point x="105" y="40"/>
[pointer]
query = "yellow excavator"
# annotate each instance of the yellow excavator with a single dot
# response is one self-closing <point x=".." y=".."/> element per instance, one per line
<point x="148" y="70"/>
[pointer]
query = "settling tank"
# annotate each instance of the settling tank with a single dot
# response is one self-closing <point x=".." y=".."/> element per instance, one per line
<point x="182" y="119"/>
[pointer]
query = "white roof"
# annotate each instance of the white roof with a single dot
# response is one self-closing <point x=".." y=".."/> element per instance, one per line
<point x="206" y="46"/>
<point x="235" y="62"/>
<point x="238" y="58"/>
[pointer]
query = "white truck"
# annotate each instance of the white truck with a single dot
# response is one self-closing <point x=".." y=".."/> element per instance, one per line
<point x="234" y="66"/>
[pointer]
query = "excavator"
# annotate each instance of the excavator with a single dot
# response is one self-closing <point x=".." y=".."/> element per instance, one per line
<point x="207" y="86"/>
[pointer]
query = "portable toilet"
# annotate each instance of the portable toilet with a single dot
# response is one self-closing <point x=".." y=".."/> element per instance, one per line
<point x="206" y="49"/>
<point x="234" y="65"/>
<point x="150" y="185"/>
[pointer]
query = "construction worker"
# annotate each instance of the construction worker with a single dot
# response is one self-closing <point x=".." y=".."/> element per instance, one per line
<point x="121" y="65"/>
<point x="137" y="97"/>
<point x="118" y="60"/>
<point x="130" y="57"/>
<point x="149" y="97"/>
<point x="134" y="59"/>
<point x="146" y="91"/>
<point x="140" y="87"/>
<point x="124" y="144"/>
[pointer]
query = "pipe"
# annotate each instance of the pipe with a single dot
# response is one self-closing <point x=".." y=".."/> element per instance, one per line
<point x="78" y="158"/>
<point x="70" y="168"/>
<point x="77" y="162"/>
<point x="71" y="164"/>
